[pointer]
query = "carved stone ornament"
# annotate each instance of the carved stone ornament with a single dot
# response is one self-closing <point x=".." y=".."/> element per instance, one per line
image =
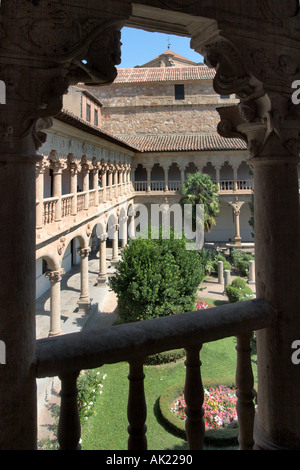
<point x="84" y="252"/>
<point x="67" y="44"/>
<point x="55" y="276"/>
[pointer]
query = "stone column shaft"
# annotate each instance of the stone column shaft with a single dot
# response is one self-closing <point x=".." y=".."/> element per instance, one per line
<point x="57" y="188"/>
<point x="277" y="262"/>
<point x="84" y="299"/>
<point x="55" y="314"/>
<point x="102" y="276"/>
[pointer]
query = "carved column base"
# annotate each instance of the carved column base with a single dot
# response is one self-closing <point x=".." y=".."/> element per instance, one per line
<point x="84" y="305"/>
<point x="237" y="240"/>
<point x="101" y="279"/>
<point x="263" y="442"/>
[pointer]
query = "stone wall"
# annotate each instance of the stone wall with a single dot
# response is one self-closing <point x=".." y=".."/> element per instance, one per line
<point x="137" y="108"/>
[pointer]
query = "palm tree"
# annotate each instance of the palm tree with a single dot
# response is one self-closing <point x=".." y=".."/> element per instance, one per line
<point x="200" y="189"/>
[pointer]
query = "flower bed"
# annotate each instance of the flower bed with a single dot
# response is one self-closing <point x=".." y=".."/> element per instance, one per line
<point x="221" y="425"/>
<point x="219" y="407"/>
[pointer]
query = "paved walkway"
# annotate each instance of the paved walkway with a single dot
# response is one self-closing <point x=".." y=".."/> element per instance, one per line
<point x="211" y="289"/>
<point x="102" y="313"/>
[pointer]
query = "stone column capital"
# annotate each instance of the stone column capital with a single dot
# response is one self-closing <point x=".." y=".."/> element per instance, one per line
<point x="84" y="252"/>
<point x="103" y="237"/>
<point x="259" y="75"/>
<point x="55" y="276"/>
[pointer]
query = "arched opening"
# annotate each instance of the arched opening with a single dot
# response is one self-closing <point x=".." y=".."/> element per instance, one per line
<point x="157" y="178"/>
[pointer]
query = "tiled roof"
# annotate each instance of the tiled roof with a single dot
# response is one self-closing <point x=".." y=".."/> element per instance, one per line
<point x="182" y="142"/>
<point x="159" y="74"/>
<point x="156" y="142"/>
<point x="69" y="118"/>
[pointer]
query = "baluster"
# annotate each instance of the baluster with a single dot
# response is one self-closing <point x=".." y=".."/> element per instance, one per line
<point x="194" y="397"/>
<point x="245" y="382"/>
<point x="69" y="421"/>
<point x="136" y="409"/>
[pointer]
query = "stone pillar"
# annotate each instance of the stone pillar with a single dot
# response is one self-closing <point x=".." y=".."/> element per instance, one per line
<point x="235" y="170"/>
<point x="95" y="172"/>
<point x="251" y="272"/>
<point x="73" y="168"/>
<point x="109" y="182"/>
<point x="102" y="276"/>
<point x="39" y="58"/>
<point x="85" y="181"/>
<point x="131" y="179"/>
<point x="182" y="176"/>
<point x="103" y="182"/>
<point x="18" y="414"/>
<point x="115" y="246"/>
<point x="236" y="205"/>
<point x="220" y="272"/>
<point x="166" y="170"/>
<point x="57" y="166"/>
<point x="148" y="169"/>
<point x="277" y="260"/>
<point x="40" y="172"/>
<point x="55" y="316"/>
<point x="84" y="299"/>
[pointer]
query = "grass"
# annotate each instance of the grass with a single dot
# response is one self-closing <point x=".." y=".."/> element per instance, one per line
<point x="106" y="429"/>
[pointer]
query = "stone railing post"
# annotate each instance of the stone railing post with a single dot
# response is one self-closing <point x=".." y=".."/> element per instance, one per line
<point x="69" y="427"/>
<point x="55" y="278"/>
<point x="194" y="398"/>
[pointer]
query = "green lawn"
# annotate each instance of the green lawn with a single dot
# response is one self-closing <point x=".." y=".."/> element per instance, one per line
<point x="106" y="429"/>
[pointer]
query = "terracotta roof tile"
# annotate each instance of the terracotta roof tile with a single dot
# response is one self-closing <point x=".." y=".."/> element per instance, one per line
<point x="158" y="74"/>
<point x="182" y="142"/>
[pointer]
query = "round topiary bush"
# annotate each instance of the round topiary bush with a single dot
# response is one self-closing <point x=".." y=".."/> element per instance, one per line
<point x="220" y="437"/>
<point x="238" y="291"/>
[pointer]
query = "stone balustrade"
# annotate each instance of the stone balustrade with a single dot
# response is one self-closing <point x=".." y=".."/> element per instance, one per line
<point x="65" y="356"/>
<point x="225" y="186"/>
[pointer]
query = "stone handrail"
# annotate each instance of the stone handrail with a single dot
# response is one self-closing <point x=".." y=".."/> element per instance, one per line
<point x="65" y="356"/>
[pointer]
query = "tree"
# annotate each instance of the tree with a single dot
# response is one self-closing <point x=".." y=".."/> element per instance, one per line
<point x="156" y="277"/>
<point x="200" y="189"/>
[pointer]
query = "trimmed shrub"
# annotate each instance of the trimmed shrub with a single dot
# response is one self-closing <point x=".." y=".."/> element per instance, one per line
<point x="238" y="291"/>
<point x="219" y="257"/>
<point x="241" y="260"/>
<point x="156" y="277"/>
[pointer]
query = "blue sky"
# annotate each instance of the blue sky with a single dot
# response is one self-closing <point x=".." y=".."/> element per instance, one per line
<point x="141" y="46"/>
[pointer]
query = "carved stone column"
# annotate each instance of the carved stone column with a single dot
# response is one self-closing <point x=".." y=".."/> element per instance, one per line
<point x="73" y="168"/>
<point x="85" y="167"/>
<point x="40" y="172"/>
<point x="84" y="299"/>
<point x="57" y="165"/>
<point x="236" y="205"/>
<point x="55" y="278"/>
<point x="259" y="64"/>
<point x="45" y="47"/>
<point x="103" y="180"/>
<point x="102" y="276"/>
<point x="166" y="171"/>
